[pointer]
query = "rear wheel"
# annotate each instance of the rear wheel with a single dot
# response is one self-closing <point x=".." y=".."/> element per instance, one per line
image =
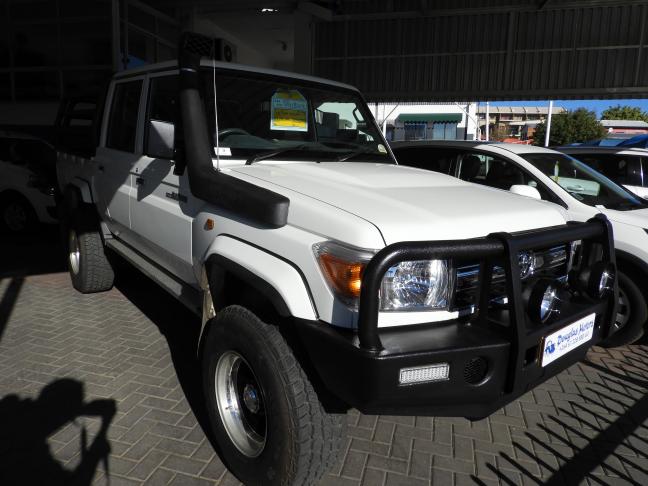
<point x="632" y="313"/>
<point x="88" y="265"/>
<point x="267" y="420"/>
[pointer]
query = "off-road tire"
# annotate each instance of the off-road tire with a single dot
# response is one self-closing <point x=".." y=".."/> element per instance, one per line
<point x="93" y="271"/>
<point x="634" y="304"/>
<point x="302" y="440"/>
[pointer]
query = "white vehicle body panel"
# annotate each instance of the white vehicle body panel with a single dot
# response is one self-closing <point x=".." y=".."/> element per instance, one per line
<point x="16" y="178"/>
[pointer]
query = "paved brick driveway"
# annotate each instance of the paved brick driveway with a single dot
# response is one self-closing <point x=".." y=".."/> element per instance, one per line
<point x="67" y="361"/>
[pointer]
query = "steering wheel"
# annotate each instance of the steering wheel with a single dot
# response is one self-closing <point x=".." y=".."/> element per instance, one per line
<point x="231" y="131"/>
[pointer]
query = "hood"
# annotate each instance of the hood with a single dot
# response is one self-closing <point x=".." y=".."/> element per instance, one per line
<point x="405" y="203"/>
<point x="638" y="217"/>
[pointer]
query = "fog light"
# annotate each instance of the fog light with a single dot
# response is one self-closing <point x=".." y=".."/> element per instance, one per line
<point x="544" y="300"/>
<point x="597" y="280"/>
<point x="424" y="374"/>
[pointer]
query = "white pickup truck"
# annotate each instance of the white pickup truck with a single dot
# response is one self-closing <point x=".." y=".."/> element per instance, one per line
<point x="328" y="276"/>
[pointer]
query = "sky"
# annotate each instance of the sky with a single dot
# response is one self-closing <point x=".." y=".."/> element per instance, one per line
<point x="595" y="105"/>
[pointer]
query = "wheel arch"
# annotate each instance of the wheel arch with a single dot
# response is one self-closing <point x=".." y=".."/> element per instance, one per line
<point x="635" y="268"/>
<point x="241" y="273"/>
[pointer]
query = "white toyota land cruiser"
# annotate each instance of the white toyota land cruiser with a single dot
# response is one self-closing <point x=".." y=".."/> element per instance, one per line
<point x="327" y="275"/>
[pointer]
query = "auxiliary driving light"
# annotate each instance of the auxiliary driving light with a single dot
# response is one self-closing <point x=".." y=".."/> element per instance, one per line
<point x="597" y="280"/>
<point x="544" y="300"/>
<point x="424" y="374"/>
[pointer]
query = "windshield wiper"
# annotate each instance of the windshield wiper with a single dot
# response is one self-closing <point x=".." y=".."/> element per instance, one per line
<point x="355" y="153"/>
<point x="272" y="153"/>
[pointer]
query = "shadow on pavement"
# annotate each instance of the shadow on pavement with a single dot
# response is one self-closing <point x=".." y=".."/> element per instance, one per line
<point x="8" y="301"/>
<point x="25" y="425"/>
<point x="600" y="446"/>
<point x="178" y="325"/>
<point x="35" y="253"/>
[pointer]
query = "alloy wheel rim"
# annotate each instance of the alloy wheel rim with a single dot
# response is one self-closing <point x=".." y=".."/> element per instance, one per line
<point x="623" y="311"/>
<point x="241" y="404"/>
<point x="74" y="252"/>
<point x="15" y="217"/>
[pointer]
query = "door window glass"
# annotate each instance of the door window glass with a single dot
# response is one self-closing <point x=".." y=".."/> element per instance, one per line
<point x="123" y="116"/>
<point x="163" y="112"/>
<point x="498" y="173"/>
<point x="622" y="169"/>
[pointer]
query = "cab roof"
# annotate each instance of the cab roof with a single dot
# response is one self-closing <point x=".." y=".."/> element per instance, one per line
<point x="173" y="65"/>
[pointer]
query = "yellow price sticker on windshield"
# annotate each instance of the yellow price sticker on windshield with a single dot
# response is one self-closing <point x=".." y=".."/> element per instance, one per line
<point x="289" y="111"/>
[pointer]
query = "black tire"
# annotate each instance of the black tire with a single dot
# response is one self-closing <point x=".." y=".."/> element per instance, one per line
<point x="632" y="315"/>
<point x="90" y="269"/>
<point x="17" y="216"/>
<point x="302" y="441"/>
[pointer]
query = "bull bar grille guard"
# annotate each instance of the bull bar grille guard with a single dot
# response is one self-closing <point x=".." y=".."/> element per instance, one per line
<point x="502" y="247"/>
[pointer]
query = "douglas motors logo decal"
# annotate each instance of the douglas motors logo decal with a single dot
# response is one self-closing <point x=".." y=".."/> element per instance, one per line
<point x="550" y="347"/>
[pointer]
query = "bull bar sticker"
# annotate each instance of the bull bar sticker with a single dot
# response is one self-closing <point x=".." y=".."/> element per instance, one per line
<point x="568" y="338"/>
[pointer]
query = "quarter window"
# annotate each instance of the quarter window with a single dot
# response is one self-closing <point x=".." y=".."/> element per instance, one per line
<point x="123" y="116"/>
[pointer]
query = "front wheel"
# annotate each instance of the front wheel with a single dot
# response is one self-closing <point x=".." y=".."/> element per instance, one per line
<point x="632" y="313"/>
<point x="266" y="417"/>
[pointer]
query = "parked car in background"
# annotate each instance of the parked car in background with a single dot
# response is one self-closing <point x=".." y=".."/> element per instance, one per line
<point x="625" y="166"/>
<point x="639" y="141"/>
<point x="27" y="182"/>
<point x="556" y="177"/>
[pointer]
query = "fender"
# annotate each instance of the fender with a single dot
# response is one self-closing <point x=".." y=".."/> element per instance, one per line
<point x="83" y="189"/>
<point x="272" y="276"/>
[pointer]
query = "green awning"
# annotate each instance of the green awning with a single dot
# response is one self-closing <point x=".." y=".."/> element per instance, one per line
<point x="430" y="117"/>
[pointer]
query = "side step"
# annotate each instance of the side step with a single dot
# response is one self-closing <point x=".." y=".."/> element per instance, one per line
<point x="186" y="294"/>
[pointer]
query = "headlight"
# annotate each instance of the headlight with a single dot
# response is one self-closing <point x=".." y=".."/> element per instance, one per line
<point x="409" y="286"/>
<point x="543" y="300"/>
<point x="416" y="286"/>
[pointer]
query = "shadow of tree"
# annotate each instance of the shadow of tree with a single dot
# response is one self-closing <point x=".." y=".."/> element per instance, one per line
<point x="26" y="424"/>
<point x="577" y="464"/>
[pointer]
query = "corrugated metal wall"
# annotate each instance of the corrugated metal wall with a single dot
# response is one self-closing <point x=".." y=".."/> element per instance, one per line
<point x="519" y="53"/>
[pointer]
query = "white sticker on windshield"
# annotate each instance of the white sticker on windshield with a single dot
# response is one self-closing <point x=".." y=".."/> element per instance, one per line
<point x="289" y="111"/>
<point x="381" y="148"/>
<point x="223" y="151"/>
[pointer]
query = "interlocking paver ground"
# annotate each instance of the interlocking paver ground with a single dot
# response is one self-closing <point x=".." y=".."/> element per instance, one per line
<point x="68" y="361"/>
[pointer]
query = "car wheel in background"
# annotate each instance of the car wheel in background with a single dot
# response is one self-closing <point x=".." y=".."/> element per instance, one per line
<point x="16" y="214"/>
<point x="632" y="314"/>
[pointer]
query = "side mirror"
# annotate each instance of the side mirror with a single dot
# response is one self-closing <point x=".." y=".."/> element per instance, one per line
<point x="161" y="138"/>
<point x="527" y="191"/>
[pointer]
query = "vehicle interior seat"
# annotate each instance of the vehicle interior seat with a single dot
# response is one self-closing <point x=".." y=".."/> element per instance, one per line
<point x="503" y="175"/>
<point x="470" y="167"/>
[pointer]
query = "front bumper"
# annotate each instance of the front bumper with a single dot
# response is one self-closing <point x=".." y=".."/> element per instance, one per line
<point x="362" y="368"/>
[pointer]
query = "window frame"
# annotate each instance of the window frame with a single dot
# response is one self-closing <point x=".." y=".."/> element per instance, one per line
<point x="137" y="146"/>
<point x="147" y="108"/>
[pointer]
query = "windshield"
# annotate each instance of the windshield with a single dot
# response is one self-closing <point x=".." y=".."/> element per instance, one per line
<point x="584" y="183"/>
<point x="263" y="117"/>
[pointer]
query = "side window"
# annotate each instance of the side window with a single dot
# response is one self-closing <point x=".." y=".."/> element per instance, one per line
<point x="643" y="174"/>
<point x="161" y="117"/>
<point x="500" y="174"/>
<point x="622" y="169"/>
<point x="122" y="124"/>
<point x="422" y="158"/>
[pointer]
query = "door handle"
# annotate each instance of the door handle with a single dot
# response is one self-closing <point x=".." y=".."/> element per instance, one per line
<point x="139" y="181"/>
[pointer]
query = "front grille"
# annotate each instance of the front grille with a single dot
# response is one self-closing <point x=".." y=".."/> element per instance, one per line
<point x="551" y="262"/>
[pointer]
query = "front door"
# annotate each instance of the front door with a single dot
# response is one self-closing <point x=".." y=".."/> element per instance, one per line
<point x="162" y="207"/>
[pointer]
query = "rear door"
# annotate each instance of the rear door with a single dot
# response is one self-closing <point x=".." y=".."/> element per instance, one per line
<point x="117" y="154"/>
<point x="162" y="207"/>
